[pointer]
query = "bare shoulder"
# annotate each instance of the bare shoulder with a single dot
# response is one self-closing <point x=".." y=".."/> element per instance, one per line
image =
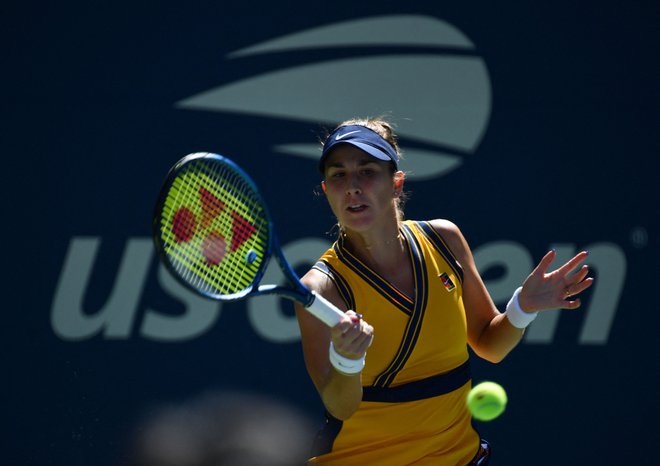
<point x="316" y="280"/>
<point x="444" y="226"/>
<point x="447" y="229"/>
<point x="452" y="235"/>
<point x="320" y="282"/>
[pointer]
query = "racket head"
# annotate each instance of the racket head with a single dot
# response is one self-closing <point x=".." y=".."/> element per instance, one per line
<point x="211" y="227"/>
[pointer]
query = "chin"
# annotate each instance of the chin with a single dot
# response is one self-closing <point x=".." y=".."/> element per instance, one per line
<point x="357" y="225"/>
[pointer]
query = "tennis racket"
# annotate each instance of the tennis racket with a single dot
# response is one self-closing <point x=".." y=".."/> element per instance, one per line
<point x="213" y="232"/>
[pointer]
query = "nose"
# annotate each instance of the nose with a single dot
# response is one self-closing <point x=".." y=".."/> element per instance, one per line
<point x="353" y="186"/>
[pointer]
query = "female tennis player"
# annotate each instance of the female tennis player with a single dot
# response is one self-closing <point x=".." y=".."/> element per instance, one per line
<point x="394" y="374"/>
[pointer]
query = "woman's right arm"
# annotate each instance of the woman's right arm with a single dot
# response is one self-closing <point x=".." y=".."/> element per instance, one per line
<point x="341" y="393"/>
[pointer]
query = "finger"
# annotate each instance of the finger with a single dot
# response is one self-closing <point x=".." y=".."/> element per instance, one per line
<point x="355" y="342"/>
<point x="578" y="276"/>
<point x="577" y="288"/>
<point x="362" y="342"/>
<point x="544" y="265"/>
<point x="572" y="264"/>
<point x="355" y="330"/>
<point x="354" y="316"/>
<point x="367" y="334"/>
<point x="580" y="287"/>
<point x="344" y="326"/>
<point x="576" y="303"/>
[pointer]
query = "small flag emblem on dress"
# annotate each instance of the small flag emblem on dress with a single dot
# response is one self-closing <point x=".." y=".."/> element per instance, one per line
<point x="447" y="282"/>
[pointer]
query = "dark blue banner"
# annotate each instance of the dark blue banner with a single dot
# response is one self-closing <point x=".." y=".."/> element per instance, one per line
<point x="530" y="126"/>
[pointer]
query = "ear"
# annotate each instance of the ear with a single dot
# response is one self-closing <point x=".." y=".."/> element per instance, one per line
<point x="323" y="187"/>
<point x="399" y="178"/>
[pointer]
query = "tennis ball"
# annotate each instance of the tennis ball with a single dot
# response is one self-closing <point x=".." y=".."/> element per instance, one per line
<point x="486" y="401"/>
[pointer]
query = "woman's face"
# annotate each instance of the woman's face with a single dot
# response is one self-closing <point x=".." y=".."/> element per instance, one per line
<point x="360" y="189"/>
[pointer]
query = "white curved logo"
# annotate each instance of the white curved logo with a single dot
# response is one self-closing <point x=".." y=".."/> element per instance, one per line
<point x="420" y="70"/>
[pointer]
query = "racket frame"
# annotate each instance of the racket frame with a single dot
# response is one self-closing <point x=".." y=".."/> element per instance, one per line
<point x="297" y="291"/>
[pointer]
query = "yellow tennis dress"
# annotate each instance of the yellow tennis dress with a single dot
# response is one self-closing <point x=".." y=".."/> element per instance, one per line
<point x="416" y="376"/>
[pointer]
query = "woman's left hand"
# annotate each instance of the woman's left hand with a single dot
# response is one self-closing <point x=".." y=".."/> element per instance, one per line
<point x="542" y="290"/>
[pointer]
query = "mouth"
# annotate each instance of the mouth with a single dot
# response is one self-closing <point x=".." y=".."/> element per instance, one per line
<point x="355" y="208"/>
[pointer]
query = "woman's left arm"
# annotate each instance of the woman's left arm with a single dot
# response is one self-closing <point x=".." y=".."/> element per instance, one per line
<point x="491" y="334"/>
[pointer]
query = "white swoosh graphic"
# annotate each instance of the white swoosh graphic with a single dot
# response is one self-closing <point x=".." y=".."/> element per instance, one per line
<point x="436" y="99"/>
<point x="342" y="136"/>
<point x="440" y="99"/>
<point x="398" y="30"/>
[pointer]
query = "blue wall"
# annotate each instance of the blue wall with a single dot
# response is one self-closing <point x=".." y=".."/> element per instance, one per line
<point x="531" y="126"/>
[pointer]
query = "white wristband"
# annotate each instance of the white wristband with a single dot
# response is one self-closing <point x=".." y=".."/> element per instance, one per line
<point x="345" y="365"/>
<point x="515" y="314"/>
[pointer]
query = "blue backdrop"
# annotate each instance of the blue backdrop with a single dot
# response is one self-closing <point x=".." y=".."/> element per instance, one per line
<point x="531" y="126"/>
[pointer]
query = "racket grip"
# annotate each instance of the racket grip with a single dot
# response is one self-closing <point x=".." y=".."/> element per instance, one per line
<point x="324" y="310"/>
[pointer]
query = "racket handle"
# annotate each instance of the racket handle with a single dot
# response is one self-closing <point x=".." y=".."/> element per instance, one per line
<point x="324" y="310"/>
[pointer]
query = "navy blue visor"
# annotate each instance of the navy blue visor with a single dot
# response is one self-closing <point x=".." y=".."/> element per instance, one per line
<point x="363" y="138"/>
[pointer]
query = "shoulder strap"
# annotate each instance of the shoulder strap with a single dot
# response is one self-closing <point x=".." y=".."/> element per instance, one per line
<point x="340" y="282"/>
<point x="440" y="245"/>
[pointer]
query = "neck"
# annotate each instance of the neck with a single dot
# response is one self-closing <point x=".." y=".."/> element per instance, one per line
<point x="380" y="249"/>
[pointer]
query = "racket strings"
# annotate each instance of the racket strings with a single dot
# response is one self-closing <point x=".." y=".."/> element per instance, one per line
<point x="214" y="228"/>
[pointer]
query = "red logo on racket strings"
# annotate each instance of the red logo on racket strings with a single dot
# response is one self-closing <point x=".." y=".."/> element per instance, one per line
<point x="211" y="206"/>
<point x="214" y="246"/>
<point x="184" y="225"/>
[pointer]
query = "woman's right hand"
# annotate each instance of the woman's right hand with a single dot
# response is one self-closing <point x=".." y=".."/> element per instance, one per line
<point x="352" y="336"/>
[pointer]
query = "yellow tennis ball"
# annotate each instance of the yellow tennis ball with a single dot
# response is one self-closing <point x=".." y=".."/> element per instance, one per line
<point x="486" y="401"/>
